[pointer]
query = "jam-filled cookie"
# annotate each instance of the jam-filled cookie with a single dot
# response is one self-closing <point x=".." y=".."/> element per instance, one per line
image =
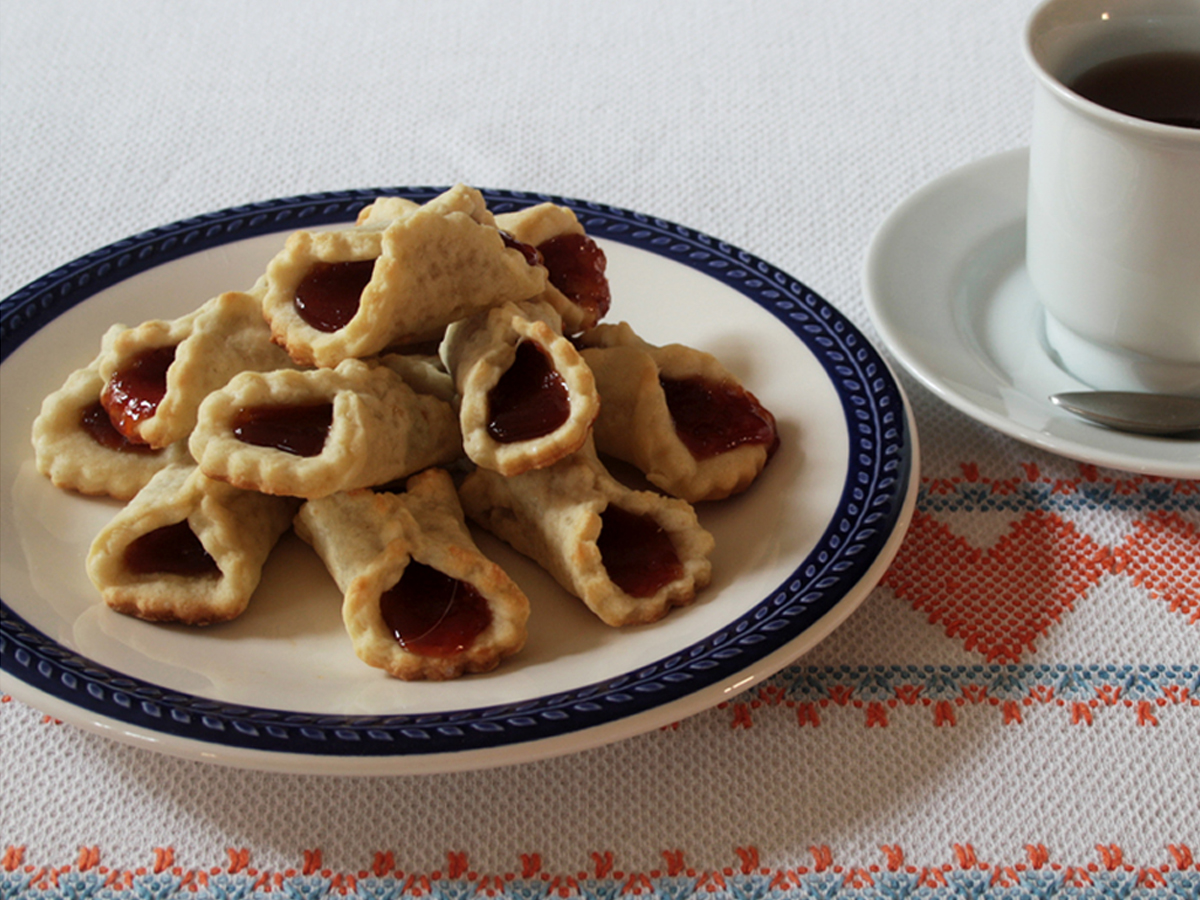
<point x="629" y="555"/>
<point x="677" y="414"/>
<point x="576" y="265"/>
<point x="308" y="433"/>
<point x="77" y="447"/>
<point x="157" y="374"/>
<point x="399" y="277"/>
<point x="187" y="548"/>
<point x="527" y="398"/>
<point x="420" y="600"/>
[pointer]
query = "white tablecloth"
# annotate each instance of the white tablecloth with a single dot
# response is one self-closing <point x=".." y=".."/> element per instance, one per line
<point x="887" y="761"/>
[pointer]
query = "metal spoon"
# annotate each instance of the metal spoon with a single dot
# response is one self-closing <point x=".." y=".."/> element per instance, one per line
<point x="1132" y="411"/>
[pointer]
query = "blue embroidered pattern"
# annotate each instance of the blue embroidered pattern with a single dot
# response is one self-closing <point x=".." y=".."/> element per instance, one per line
<point x="1137" y="494"/>
<point x="1013" y="682"/>
<point x="1141" y="695"/>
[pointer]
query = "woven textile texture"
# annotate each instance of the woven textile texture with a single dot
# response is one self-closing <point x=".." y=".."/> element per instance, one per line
<point x="1014" y="710"/>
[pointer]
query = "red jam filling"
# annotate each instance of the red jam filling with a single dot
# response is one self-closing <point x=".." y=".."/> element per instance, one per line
<point x="712" y="419"/>
<point x="98" y="426"/>
<point x="299" y="430"/>
<point x="530" y="400"/>
<point x="532" y="257"/>
<point x="133" y="393"/>
<point x="431" y="614"/>
<point x="637" y="553"/>
<point x="328" y="296"/>
<point x="576" y="266"/>
<point x="170" y="550"/>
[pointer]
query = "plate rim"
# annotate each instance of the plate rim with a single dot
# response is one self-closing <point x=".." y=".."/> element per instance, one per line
<point x="864" y="530"/>
<point x="927" y="373"/>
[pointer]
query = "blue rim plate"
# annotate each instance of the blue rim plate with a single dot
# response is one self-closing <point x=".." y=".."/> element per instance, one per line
<point x="796" y="553"/>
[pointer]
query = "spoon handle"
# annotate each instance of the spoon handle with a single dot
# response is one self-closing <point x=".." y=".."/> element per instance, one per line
<point x="1164" y="414"/>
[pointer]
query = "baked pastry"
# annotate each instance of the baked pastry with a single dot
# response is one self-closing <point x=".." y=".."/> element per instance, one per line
<point x="677" y="414"/>
<point x="399" y="277"/>
<point x="629" y="555"/>
<point x="308" y="433"/>
<point x="187" y="548"/>
<point x="383" y="211"/>
<point x="157" y="374"/>
<point x="578" y="287"/>
<point x="77" y="447"/>
<point x="527" y="398"/>
<point x="425" y="374"/>
<point x="420" y="600"/>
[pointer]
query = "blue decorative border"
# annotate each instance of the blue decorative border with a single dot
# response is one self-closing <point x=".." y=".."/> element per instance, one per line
<point x="880" y="467"/>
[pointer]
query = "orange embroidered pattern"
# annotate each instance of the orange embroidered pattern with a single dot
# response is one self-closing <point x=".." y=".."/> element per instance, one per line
<point x="999" y="600"/>
<point x="1036" y="874"/>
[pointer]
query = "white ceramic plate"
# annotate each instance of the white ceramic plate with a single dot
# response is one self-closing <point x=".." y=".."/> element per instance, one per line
<point x="948" y="290"/>
<point x="280" y="687"/>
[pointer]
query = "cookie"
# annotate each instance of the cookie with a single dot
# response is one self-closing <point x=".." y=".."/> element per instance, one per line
<point x="527" y="399"/>
<point x="399" y="277"/>
<point x="420" y="601"/>
<point x="578" y="287"/>
<point x="157" y="374"/>
<point x="187" y="548"/>
<point x="630" y="556"/>
<point x="309" y="433"/>
<point x="77" y="447"/>
<point x="677" y="414"/>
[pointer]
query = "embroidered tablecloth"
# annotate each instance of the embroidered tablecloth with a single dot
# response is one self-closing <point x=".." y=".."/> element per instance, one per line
<point x="1014" y="711"/>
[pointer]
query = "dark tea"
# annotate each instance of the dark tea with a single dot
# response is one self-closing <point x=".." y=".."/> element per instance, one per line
<point x="1158" y="87"/>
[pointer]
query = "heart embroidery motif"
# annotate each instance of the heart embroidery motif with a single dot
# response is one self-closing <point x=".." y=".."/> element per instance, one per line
<point x="999" y="600"/>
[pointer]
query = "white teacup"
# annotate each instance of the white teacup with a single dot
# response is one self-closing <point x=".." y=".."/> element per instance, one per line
<point x="1113" y="232"/>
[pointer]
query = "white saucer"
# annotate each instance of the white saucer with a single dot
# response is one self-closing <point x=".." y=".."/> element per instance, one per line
<point x="947" y="288"/>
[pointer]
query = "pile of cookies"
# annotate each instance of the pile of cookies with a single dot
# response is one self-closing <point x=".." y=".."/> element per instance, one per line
<point x="378" y="387"/>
